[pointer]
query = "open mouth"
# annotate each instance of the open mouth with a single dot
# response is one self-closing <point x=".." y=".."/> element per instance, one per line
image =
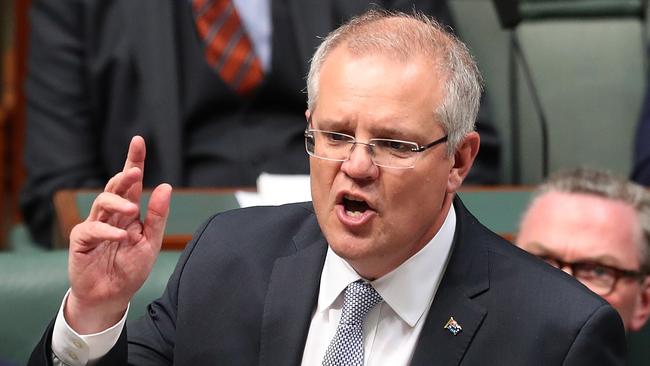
<point x="354" y="207"/>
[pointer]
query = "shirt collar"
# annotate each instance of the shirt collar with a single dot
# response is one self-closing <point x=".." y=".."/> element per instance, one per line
<point x="408" y="289"/>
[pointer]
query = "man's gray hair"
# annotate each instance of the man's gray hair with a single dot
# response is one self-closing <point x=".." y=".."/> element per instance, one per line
<point x="405" y="36"/>
<point x="603" y="184"/>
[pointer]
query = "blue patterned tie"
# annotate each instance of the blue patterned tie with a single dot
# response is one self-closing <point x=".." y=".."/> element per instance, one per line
<point x="346" y="348"/>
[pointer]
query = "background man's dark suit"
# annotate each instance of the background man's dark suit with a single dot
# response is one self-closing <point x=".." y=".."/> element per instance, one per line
<point x="246" y="298"/>
<point x="103" y="71"/>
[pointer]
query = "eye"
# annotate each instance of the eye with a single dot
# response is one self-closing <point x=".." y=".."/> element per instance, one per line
<point x="594" y="271"/>
<point x="337" y="137"/>
<point x="599" y="271"/>
<point x="395" y="146"/>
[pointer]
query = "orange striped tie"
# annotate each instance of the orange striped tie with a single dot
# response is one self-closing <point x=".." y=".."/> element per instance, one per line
<point x="227" y="47"/>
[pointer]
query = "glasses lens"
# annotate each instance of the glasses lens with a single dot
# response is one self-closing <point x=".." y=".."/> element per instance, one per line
<point x="328" y="145"/>
<point x="337" y="146"/>
<point x="309" y="142"/>
<point x="394" y="153"/>
<point x="599" y="279"/>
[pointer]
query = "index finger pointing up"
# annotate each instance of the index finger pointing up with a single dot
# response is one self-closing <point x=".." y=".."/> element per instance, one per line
<point x="135" y="159"/>
<point x="136" y="154"/>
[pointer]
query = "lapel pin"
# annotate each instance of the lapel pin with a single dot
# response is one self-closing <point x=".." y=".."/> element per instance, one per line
<point x="453" y="326"/>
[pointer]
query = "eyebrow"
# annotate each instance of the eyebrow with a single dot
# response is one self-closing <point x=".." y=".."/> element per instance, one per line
<point x="385" y="132"/>
<point x="376" y="131"/>
<point x="333" y="125"/>
<point x="607" y="260"/>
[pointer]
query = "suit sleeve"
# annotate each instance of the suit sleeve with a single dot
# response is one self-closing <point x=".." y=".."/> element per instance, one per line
<point x="42" y="353"/>
<point x="61" y="146"/>
<point x="601" y="341"/>
<point x="152" y="337"/>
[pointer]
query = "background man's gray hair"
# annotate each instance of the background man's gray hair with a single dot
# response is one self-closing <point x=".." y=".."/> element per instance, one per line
<point x="403" y="37"/>
<point x="606" y="185"/>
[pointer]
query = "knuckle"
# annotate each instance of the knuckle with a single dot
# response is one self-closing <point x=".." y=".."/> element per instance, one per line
<point x="80" y="231"/>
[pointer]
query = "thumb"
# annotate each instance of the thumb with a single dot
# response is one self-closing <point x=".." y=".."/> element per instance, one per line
<point x="157" y="213"/>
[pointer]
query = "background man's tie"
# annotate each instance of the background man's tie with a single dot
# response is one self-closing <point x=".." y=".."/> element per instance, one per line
<point x="227" y="47"/>
<point x="346" y="348"/>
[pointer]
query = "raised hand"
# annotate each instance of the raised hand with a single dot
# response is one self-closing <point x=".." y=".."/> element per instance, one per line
<point x="112" y="251"/>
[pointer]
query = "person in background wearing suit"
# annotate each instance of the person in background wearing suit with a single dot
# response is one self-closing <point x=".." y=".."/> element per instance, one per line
<point x="596" y="227"/>
<point x="385" y="266"/>
<point x="101" y="72"/>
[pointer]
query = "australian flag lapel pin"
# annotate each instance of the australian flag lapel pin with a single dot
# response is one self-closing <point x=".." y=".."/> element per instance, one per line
<point x="452" y="326"/>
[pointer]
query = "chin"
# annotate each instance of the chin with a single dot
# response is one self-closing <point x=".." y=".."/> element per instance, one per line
<point x="351" y="248"/>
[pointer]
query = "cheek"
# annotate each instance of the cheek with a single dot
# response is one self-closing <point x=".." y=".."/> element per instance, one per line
<point x="623" y="300"/>
<point x="322" y="179"/>
<point x="409" y="196"/>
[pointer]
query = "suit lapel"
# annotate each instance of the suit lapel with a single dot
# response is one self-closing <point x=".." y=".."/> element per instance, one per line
<point x="290" y="301"/>
<point x="466" y="276"/>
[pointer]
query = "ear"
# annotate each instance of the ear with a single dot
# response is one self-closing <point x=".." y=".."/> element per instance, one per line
<point x="307" y="114"/>
<point x="642" y="308"/>
<point x="463" y="160"/>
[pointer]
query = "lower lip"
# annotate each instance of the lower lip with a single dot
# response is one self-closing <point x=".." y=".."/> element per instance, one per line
<point x="353" y="221"/>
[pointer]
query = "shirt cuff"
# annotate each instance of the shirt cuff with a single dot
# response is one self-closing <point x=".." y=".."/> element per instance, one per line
<point x="75" y="349"/>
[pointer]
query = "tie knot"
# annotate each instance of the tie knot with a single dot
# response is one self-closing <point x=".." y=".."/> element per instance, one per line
<point x="360" y="297"/>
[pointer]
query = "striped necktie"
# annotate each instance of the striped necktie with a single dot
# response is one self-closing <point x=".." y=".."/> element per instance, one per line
<point x="228" y="50"/>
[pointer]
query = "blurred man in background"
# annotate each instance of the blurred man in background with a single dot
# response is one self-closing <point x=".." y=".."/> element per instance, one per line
<point x="596" y="227"/>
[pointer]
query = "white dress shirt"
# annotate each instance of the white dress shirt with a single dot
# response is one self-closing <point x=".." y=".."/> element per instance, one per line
<point x="73" y="349"/>
<point x="390" y="331"/>
<point x="392" y="328"/>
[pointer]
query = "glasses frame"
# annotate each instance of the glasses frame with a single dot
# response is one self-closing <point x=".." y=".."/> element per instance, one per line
<point x="618" y="272"/>
<point x="353" y="141"/>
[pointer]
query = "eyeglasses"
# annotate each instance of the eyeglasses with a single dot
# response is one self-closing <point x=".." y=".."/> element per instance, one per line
<point x="387" y="153"/>
<point x="600" y="278"/>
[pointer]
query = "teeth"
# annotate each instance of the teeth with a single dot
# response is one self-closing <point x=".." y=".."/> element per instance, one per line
<point x="350" y="198"/>
<point x="353" y="213"/>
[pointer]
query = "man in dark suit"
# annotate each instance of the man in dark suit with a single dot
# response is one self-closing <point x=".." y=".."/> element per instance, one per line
<point x="103" y="71"/>
<point x="386" y="267"/>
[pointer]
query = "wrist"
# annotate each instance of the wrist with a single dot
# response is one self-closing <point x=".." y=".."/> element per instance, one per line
<point x="89" y="318"/>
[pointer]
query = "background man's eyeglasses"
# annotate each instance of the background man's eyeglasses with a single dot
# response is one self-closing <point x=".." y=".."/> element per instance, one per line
<point x="383" y="152"/>
<point x="600" y="278"/>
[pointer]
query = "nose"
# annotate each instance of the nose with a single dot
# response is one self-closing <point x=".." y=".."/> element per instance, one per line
<point x="360" y="165"/>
